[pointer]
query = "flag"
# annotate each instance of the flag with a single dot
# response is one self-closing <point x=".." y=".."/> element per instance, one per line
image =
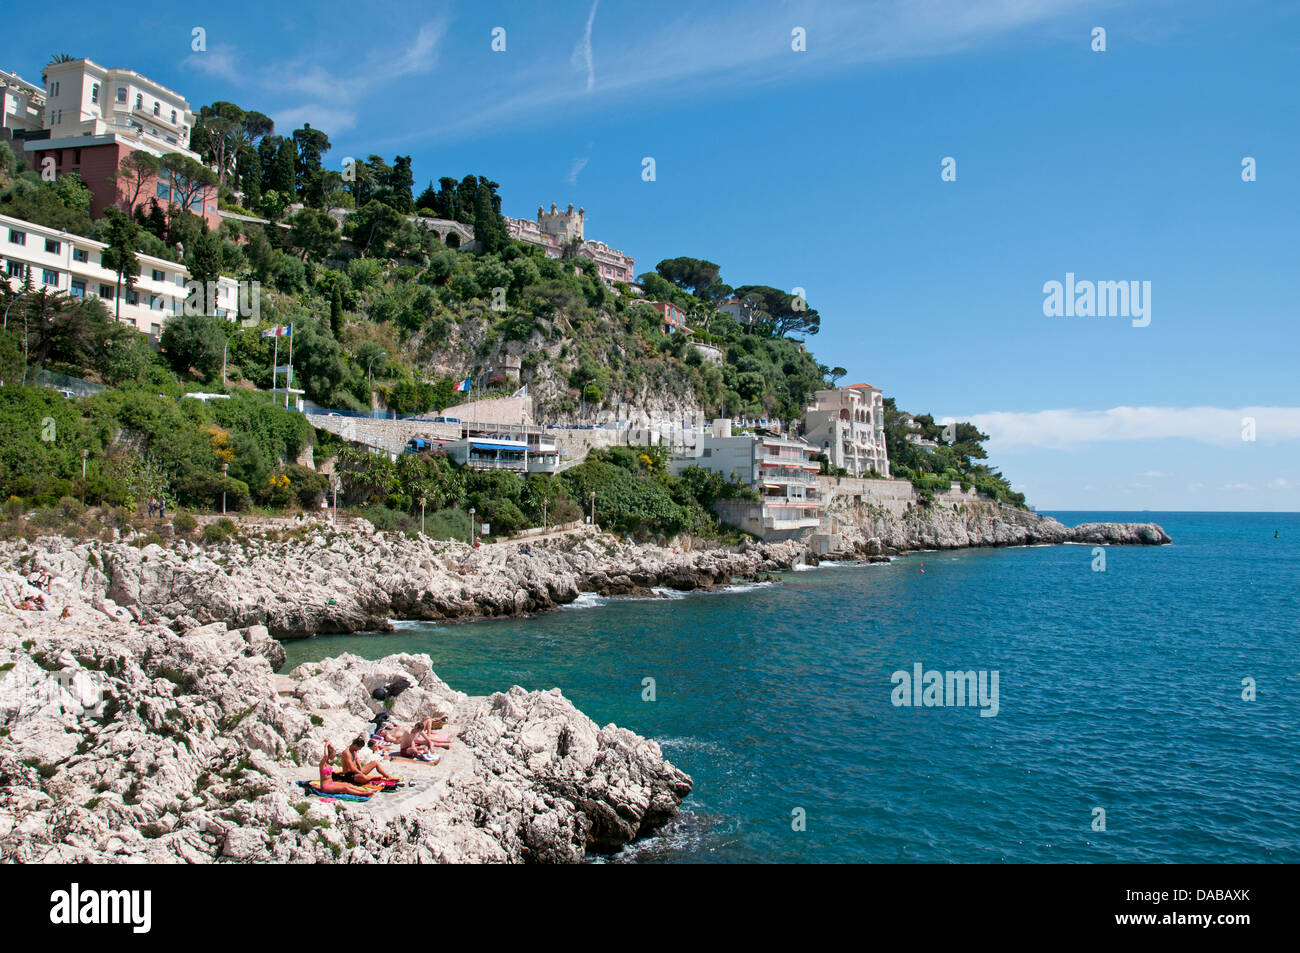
<point x="522" y="392"/>
<point x="461" y="385"/>
<point x="279" y="331"/>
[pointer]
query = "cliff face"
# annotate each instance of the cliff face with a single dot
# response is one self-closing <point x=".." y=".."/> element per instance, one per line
<point x="872" y="530"/>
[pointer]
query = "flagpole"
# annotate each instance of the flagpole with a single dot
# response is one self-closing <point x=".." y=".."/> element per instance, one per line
<point x="275" y="359"/>
<point x="288" y="377"/>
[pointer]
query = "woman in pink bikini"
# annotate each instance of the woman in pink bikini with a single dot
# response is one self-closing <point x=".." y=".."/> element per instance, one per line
<point x="327" y="782"/>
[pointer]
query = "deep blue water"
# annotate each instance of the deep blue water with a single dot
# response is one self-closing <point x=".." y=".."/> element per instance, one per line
<point x="1119" y="690"/>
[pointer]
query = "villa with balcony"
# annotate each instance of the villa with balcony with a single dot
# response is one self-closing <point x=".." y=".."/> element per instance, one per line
<point x="848" y="425"/>
<point x="94" y="116"/>
<point x="781" y="470"/>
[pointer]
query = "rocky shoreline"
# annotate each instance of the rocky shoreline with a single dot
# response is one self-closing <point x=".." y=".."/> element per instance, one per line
<point x="141" y="717"/>
<point x="870" y="531"/>
<point x="130" y="742"/>
<point x="319" y="580"/>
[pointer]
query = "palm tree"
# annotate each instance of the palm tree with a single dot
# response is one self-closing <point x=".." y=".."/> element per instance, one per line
<point x="55" y="59"/>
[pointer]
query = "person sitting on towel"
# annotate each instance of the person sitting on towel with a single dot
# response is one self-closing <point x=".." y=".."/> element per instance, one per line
<point x="354" y="770"/>
<point x="327" y="783"/>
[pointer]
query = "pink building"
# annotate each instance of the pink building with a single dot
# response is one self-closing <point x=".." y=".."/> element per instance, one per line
<point x="560" y="231"/>
<point x="674" y="318"/>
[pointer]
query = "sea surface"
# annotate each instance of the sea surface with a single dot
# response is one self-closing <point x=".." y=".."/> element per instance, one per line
<point x="1118" y="691"/>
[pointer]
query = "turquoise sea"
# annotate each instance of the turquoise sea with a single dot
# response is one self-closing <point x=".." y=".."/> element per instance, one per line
<point x="1118" y="689"/>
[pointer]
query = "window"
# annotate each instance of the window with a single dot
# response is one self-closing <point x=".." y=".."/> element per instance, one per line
<point x="106" y="291"/>
<point x="80" y="254"/>
<point x="77" y="289"/>
<point x="121" y="94"/>
<point x="155" y="329"/>
<point x="54" y="90"/>
<point x="164" y="191"/>
<point x="173" y="117"/>
<point x="139" y="101"/>
<point x="156" y="303"/>
<point x="16" y="269"/>
<point x="49" y="278"/>
<point x="94" y="92"/>
<point x="133" y="297"/>
<point x="16" y="237"/>
<point x="76" y="157"/>
<point x="158" y="275"/>
<point x="52" y="246"/>
<point x="157" y="109"/>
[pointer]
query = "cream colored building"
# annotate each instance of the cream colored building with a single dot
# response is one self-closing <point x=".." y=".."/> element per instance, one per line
<point x="63" y="262"/>
<point x="23" y="103"/>
<point x="848" y="425"/>
<point x="83" y="99"/>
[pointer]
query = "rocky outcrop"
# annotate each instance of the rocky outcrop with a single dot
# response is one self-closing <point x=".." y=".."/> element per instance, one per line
<point x="128" y="741"/>
<point x="873" y="531"/>
<point x="357" y="579"/>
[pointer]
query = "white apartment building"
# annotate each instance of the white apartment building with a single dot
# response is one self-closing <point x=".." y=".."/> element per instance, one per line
<point x="84" y="99"/>
<point x="67" y="263"/>
<point x="23" y="103"/>
<point x="848" y="425"/>
<point x="781" y="469"/>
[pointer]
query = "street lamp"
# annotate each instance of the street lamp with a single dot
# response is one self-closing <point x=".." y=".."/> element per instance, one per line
<point x="471" y="526"/>
<point x="224" y="349"/>
<point x="224" y="468"/>
<point x="334" y="486"/>
<point x="370" y="380"/>
<point x="11" y="303"/>
<point x="421" y="516"/>
<point x="543" y="516"/>
<point x="593" y="507"/>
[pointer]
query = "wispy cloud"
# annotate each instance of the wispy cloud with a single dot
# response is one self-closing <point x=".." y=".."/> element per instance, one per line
<point x="577" y="166"/>
<point x="1066" y="429"/>
<point x="583" y="57"/>
<point x="335" y="95"/>
<point x="709" y="50"/>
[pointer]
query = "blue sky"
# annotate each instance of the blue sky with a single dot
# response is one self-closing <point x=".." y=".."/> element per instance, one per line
<point x="821" y="169"/>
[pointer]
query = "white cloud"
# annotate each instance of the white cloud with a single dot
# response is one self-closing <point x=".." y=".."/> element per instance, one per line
<point x="333" y="118"/>
<point x="582" y="56"/>
<point x="577" y="166"/>
<point x="1066" y="429"/>
<point x="1155" y="474"/>
<point x="344" y="91"/>
<point x="1280" y="483"/>
<point x="727" y="47"/>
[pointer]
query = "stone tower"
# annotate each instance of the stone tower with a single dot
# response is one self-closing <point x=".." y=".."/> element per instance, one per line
<point x="565" y="226"/>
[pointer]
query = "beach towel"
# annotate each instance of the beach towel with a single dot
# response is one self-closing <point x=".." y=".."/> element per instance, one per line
<point x="381" y="783"/>
<point x="312" y="788"/>
<point x="429" y="759"/>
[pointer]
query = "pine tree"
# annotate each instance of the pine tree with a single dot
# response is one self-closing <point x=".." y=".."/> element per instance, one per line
<point x="336" y="313"/>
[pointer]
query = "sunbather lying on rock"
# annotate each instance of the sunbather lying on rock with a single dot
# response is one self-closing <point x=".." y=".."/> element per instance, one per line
<point x="327" y="782"/>
<point x="356" y="772"/>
